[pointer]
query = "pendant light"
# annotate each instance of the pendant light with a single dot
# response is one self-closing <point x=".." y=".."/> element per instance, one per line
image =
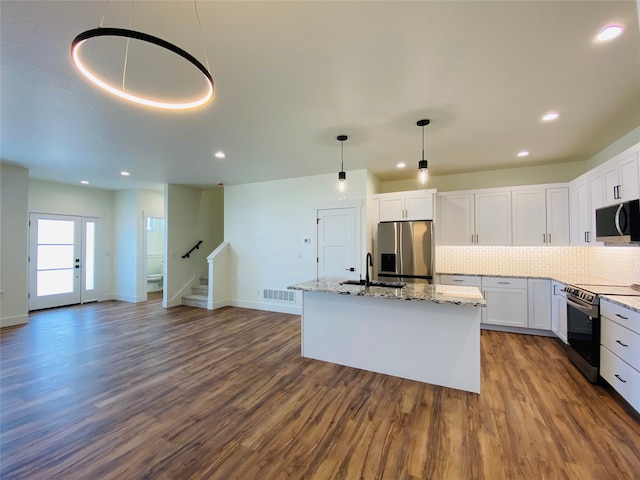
<point x="342" y="175"/>
<point x="204" y="97"/>
<point x="423" y="171"/>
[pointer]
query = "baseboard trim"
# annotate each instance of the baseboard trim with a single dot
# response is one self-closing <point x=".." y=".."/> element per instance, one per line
<point x="129" y="298"/>
<point x="13" y="321"/>
<point x="520" y="330"/>
<point x="269" y="307"/>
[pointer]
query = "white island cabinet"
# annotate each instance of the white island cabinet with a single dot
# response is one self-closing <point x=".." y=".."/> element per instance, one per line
<point x="428" y="333"/>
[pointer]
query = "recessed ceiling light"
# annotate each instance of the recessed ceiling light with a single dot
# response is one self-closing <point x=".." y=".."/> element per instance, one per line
<point x="124" y="173"/>
<point x="219" y="154"/>
<point x="523" y="153"/>
<point x="84" y="182"/>
<point x="609" y="33"/>
<point x="401" y="165"/>
<point x="550" y="116"/>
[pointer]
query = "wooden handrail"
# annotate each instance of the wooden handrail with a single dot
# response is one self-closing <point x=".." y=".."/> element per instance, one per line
<point x="195" y="247"/>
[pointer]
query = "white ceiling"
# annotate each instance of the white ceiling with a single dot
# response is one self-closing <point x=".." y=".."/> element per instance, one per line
<point x="291" y="76"/>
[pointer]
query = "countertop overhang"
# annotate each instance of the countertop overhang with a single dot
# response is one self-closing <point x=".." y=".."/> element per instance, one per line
<point x="420" y="292"/>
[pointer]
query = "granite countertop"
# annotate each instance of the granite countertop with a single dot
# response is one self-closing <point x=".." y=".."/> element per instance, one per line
<point x="421" y="292"/>
<point x="632" y="303"/>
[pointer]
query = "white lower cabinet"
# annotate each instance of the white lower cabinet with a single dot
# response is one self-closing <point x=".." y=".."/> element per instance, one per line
<point x="559" y="310"/>
<point x="507" y="302"/>
<point x="539" y="290"/>
<point x="620" y="350"/>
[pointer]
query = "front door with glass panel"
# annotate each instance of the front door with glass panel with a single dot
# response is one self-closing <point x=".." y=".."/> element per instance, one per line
<point x="61" y="260"/>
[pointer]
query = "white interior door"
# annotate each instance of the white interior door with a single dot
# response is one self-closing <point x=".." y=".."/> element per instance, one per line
<point x="338" y="243"/>
<point x="62" y="260"/>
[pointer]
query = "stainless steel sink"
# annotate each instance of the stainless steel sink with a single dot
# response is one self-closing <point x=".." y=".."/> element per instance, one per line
<point x="374" y="283"/>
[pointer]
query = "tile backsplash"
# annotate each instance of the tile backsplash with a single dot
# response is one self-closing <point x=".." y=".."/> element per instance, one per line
<point x="617" y="264"/>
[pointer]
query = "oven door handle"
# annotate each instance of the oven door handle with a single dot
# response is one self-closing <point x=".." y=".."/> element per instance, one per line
<point x="587" y="310"/>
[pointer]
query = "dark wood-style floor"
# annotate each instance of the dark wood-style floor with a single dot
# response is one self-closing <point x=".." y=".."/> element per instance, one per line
<point x="122" y="391"/>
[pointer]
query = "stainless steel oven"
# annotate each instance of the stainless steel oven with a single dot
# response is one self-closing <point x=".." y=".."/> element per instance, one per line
<point x="583" y="334"/>
<point x="583" y="331"/>
<point x="583" y="324"/>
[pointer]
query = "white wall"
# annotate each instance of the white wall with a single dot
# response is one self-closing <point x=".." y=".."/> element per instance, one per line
<point x="191" y="215"/>
<point x="265" y="224"/>
<point x="14" y="187"/>
<point x="63" y="199"/>
<point x="127" y="251"/>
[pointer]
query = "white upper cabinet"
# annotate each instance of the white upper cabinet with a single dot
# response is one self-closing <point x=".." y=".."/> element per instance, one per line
<point x="586" y="194"/>
<point x="412" y="205"/>
<point x="493" y="218"/>
<point x="558" y="222"/>
<point x="456" y="219"/>
<point x="579" y="211"/>
<point x="621" y="179"/>
<point x="474" y="218"/>
<point x="541" y="216"/>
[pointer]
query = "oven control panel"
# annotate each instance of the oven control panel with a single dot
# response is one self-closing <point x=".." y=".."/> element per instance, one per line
<point x="581" y="294"/>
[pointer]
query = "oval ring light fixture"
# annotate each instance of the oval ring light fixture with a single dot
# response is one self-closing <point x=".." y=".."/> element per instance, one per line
<point x="132" y="34"/>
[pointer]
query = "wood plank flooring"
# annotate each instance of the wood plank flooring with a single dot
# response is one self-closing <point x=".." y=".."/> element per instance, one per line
<point x="134" y="391"/>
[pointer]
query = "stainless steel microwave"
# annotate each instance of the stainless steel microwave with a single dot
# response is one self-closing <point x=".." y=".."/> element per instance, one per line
<point x="619" y="223"/>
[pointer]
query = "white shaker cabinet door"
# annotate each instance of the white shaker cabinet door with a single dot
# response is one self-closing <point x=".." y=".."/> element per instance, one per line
<point x="455" y="222"/>
<point x="505" y="306"/>
<point x="629" y="178"/>
<point x="529" y="217"/>
<point x="558" y="222"/>
<point x="392" y="209"/>
<point x="493" y="218"/>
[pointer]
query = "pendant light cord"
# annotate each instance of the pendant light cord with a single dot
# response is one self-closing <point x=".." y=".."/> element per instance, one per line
<point x="104" y="14"/>
<point x="422" y="142"/>
<point x="342" y="156"/>
<point x="126" y="51"/>
<point x="206" y="60"/>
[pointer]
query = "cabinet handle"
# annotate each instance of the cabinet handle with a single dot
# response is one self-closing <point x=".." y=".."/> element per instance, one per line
<point x="618" y="341"/>
<point x="622" y="317"/>
<point x="477" y="239"/>
<point x="472" y="239"/>
<point x="549" y="238"/>
<point x="457" y="280"/>
<point x="544" y="238"/>
<point x="504" y="283"/>
<point x="620" y="378"/>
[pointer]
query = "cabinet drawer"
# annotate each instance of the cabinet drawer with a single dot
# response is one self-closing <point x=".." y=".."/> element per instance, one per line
<point x="468" y="280"/>
<point x="620" y="376"/>
<point x="621" y="341"/>
<point x="624" y="316"/>
<point x="504" y="282"/>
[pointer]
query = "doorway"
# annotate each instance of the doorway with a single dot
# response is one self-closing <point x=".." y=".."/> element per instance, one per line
<point x="62" y="260"/>
<point x="338" y="243"/>
<point x="154" y="254"/>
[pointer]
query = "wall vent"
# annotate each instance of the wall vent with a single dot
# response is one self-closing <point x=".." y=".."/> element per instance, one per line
<point x="279" y="295"/>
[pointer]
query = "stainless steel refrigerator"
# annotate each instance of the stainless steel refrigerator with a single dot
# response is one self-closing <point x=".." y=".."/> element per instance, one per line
<point x="405" y="252"/>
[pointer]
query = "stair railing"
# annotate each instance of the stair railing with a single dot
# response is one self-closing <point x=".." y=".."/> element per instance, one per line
<point x="195" y="247"/>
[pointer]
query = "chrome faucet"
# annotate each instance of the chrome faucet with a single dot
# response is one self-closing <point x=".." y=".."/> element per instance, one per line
<point x="369" y="263"/>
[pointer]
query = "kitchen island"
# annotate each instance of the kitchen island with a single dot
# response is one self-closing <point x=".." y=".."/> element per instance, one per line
<point x="428" y="333"/>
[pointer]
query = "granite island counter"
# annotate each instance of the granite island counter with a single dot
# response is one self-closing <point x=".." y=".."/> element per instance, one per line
<point x="428" y="333"/>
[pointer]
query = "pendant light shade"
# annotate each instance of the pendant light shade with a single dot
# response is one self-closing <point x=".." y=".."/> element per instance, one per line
<point x="342" y="175"/>
<point x="423" y="167"/>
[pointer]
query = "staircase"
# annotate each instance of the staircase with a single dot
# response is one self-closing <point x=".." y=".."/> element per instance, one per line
<point x="198" y="296"/>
